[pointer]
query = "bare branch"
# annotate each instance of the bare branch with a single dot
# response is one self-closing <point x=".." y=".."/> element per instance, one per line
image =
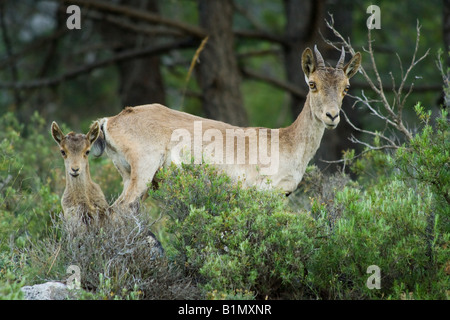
<point x="368" y="149"/>
<point x="261" y="36"/>
<point x="275" y="82"/>
<point x="260" y="31"/>
<point x="392" y="118"/>
<point x="348" y="46"/>
<point x="246" y="14"/>
<point x="123" y="56"/>
<point x="417" y="88"/>
<point x="141" y="15"/>
<point x="376" y="134"/>
<point x="8" y="48"/>
<point x="414" y="62"/>
<point x="257" y="53"/>
<point x="136" y="28"/>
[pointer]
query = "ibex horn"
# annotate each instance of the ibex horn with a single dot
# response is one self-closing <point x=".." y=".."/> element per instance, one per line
<point x="340" y="64"/>
<point x="320" y="62"/>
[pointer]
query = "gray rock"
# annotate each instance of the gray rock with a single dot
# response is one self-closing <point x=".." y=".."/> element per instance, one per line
<point x="46" y="291"/>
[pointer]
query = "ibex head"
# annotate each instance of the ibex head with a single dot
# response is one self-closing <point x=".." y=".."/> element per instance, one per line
<point x="75" y="148"/>
<point x="327" y="85"/>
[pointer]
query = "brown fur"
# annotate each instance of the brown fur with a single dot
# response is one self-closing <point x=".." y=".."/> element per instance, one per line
<point x="83" y="199"/>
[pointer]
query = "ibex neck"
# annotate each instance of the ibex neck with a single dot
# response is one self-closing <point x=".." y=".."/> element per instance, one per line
<point x="78" y="185"/>
<point x="305" y="134"/>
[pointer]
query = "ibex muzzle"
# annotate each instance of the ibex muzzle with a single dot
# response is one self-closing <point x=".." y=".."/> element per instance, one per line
<point x="75" y="148"/>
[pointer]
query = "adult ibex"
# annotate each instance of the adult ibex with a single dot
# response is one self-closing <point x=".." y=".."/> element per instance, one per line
<point x="83" y="199"/>
<point x="142" y="139"/>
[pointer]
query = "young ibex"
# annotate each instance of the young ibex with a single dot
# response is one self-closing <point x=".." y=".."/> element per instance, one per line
<point x="142" y="139"/>
<point x="82" y="199"/>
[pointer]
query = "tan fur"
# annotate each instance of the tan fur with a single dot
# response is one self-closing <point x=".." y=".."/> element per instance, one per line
<point x="82" y="199"/>
<point x="138" y="140"/>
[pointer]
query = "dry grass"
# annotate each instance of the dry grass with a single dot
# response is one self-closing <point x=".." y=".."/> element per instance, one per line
<point x="123" y="256"/>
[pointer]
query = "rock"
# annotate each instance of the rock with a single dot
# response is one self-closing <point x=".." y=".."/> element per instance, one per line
<point x="46" y="291"/>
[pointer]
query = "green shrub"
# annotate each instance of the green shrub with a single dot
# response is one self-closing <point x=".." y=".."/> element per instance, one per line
<point x="12" y="276"/>
<point x="426" y="159"/>
<point x="27" y="176"/>
<point x="10" y="287"/>
<point x="265" y="253"/>
<point x="233" y="238"/>
<point x="391" y="227"/>
<point x="317" y="192"/>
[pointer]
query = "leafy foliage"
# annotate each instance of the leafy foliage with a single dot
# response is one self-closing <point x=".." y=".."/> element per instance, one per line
<point x="391" y="227"/>
<point x="235" y="238"/>
<point x="26" y="180"/>
<point x="259" y="245"/>
<point x="427" y="157"/>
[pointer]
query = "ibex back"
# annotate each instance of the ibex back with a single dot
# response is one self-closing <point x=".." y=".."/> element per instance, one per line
<point x="142" y="139"/>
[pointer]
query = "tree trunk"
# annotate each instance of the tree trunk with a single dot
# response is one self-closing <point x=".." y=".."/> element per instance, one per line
<point x="140" y="80"/>
<point x="444" y="98"/>
<point x="302" y="26"/>
<point x="217" y="71"/>
<point x="446" y="29"/>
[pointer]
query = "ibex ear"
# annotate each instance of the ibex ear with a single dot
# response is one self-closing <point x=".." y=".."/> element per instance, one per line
<point x="308" y="63"/>
<point x="353" y="65"/>
<point x="94" y="132"/>
<point x="57" y="134"/>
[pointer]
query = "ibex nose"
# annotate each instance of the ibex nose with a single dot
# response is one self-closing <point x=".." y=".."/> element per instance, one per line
<point x="329" y="115"/>
<point x="75" y="172"/>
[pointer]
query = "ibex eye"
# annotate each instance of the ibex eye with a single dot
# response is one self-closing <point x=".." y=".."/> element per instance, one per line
<point x="63" y="153"/>
<point x="312" y="85"/>
<point x="346" y="89"/>
<point x="87" y="152"/>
